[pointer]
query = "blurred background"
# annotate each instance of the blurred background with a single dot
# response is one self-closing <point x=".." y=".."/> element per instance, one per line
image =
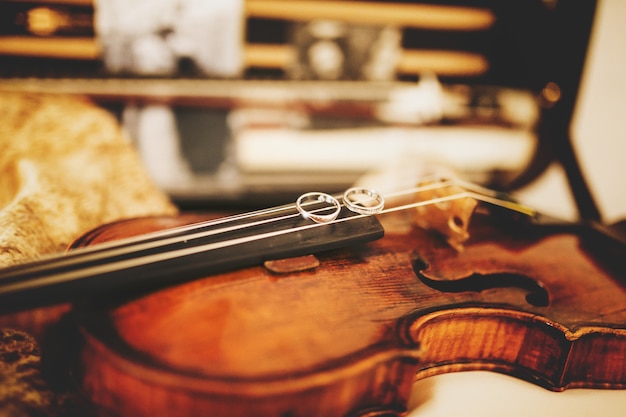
<point x="250" y="103"/>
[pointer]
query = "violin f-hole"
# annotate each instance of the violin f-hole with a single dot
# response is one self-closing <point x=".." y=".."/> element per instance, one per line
<point x="536" y="296"/>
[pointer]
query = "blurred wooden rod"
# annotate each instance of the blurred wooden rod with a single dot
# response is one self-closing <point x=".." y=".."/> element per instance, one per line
<point x="411" y="61"/>
<point x="426" y="16"/>
<point x="56" y="2"/>
<point x="445" y="63"/>
<point x="60" y="48"/>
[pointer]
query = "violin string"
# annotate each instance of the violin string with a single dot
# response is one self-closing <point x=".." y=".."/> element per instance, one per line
<point x="465" y="194"/>
<point x="170" y="236"/>
<point x="99" y="269"/>
<point x="194" y="231"/>
<point x="471" y="190"/>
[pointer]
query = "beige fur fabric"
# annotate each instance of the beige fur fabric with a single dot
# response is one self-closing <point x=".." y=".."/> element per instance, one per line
<point x="23" y="390"/>
<point x="65" y="168"/>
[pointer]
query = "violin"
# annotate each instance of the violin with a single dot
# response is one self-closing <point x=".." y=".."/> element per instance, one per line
<point x="333" y="306"/>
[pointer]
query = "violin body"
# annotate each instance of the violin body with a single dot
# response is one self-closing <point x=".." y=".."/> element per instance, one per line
<point x="347" y="333"/>
<point x="342" y="334"/>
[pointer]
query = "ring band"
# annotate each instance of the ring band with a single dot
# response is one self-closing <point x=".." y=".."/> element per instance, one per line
<point x="357" y="206"/>
<point x="322" y="198"/>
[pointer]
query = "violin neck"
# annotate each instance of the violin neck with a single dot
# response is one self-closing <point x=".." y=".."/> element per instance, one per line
<point x="128" y="268"/>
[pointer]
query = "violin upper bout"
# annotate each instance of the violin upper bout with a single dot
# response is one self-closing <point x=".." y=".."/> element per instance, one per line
<point x="450" y="218"/>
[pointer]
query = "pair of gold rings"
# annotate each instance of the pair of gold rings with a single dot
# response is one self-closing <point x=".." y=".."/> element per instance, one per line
<point x="357" y="199"/>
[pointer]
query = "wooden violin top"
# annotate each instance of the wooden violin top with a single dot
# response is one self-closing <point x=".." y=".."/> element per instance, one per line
<point x="352" y="333"/>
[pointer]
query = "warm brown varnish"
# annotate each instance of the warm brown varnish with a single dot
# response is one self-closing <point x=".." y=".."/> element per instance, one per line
<point x="348" y="337"/>
<point x="348" y="332"/>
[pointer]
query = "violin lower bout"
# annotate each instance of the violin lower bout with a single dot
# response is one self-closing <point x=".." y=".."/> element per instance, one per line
<point x="520" y="344"/>
<point x="349" y="337"/>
